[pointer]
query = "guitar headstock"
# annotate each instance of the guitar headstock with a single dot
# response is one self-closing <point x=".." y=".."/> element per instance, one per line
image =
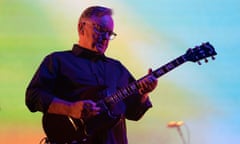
<point x="200" y="52"/>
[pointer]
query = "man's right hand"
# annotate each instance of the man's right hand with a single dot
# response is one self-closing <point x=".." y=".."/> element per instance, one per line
<point x="88" y="108"/>
<point x="79" y="109"/>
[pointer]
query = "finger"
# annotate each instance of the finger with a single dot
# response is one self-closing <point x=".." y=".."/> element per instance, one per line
<point x="90" y="102"/>
<point x="144" y="85"/>
<point x="97" y="109"/>
<point x="152" y="79"/>
<point x="141" y="91"/>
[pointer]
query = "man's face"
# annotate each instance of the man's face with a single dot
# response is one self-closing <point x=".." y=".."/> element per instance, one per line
<point x="97" y="32"/>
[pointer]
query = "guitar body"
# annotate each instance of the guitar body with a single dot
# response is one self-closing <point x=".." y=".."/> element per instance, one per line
<point x="63" y="129"/>
<point x="59" y="129"/>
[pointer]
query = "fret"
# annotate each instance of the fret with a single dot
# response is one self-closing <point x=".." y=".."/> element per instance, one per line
<point x="112" y="99"/>
<point x="124" y="91"/>
<point x="159" y="72"/>
<point x="183" y="58"/>
<point x="129" y="89"/>
<point x="177" y="61"/>
<point x="125" y="95"/>
<point x="133" y="86"/>
<point x="109" y="99"/>
<point x="118" y="96"/>
<point x="137" y="83"/>
<point x="169" y="66"/>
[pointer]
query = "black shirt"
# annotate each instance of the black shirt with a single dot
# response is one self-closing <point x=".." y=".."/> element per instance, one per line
<point x="69" y="74"/>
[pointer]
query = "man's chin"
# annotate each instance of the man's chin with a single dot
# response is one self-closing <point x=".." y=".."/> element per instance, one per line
<point x="100" y="49"/>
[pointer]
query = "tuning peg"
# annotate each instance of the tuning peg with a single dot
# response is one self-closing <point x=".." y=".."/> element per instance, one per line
<point x="213" y="58"/>
<point x="199" y="63"/>
<point x="206" y="43"/>
<point x="206" y="60"/>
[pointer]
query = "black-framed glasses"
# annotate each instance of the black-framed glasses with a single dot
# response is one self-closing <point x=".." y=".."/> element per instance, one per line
<point x="102" y="31"/>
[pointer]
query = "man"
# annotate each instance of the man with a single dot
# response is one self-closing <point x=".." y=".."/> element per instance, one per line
<point x="63" y="84"/>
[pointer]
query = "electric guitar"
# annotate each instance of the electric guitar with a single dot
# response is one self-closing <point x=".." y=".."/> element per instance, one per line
<point x="62" y="129"/>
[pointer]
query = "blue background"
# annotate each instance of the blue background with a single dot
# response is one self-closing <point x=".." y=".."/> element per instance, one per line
<point x="150" y="34"/>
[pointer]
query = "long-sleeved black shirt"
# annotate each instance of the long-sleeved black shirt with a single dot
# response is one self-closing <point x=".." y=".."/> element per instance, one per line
<point x="68" y="74"/>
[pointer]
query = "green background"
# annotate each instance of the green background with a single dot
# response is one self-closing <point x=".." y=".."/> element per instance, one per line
<point x="150" y="34"/>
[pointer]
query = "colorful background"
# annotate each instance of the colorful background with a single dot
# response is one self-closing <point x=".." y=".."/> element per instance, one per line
<point x="150" y="34"/>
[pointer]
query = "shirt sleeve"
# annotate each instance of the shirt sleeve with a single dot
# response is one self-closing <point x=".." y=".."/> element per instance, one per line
<point x="39" y="92"/>
<point x="135" y="109"/>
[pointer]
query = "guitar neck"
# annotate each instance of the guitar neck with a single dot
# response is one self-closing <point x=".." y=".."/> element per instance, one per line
<point x="169" y="66"/>
<point x="133" y="87"/>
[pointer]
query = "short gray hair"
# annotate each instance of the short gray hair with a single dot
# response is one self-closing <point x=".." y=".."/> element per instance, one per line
<point x="93" y="11"/>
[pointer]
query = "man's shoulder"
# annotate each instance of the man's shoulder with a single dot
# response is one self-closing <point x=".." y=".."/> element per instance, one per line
<point x="112" y="60"/>
<point x="60" y="53"/>
<point x="63" y="52"/>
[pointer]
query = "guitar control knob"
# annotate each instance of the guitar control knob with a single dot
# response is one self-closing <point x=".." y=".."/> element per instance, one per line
<point x="199" y="63"/>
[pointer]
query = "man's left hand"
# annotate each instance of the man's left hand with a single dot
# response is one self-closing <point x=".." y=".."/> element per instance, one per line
<point x="148" y="84"/>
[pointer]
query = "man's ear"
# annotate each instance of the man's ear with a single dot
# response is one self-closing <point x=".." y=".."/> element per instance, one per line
<point x="80" y="28"/>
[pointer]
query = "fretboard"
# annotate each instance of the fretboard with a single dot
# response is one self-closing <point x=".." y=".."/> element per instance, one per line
<point x="133" y="87"/>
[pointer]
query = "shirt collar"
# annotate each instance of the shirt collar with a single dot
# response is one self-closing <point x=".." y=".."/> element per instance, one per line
<point x="83" y="52"/>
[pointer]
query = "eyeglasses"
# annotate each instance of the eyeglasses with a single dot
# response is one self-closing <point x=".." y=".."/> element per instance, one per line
<point x="102" y="31"/>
